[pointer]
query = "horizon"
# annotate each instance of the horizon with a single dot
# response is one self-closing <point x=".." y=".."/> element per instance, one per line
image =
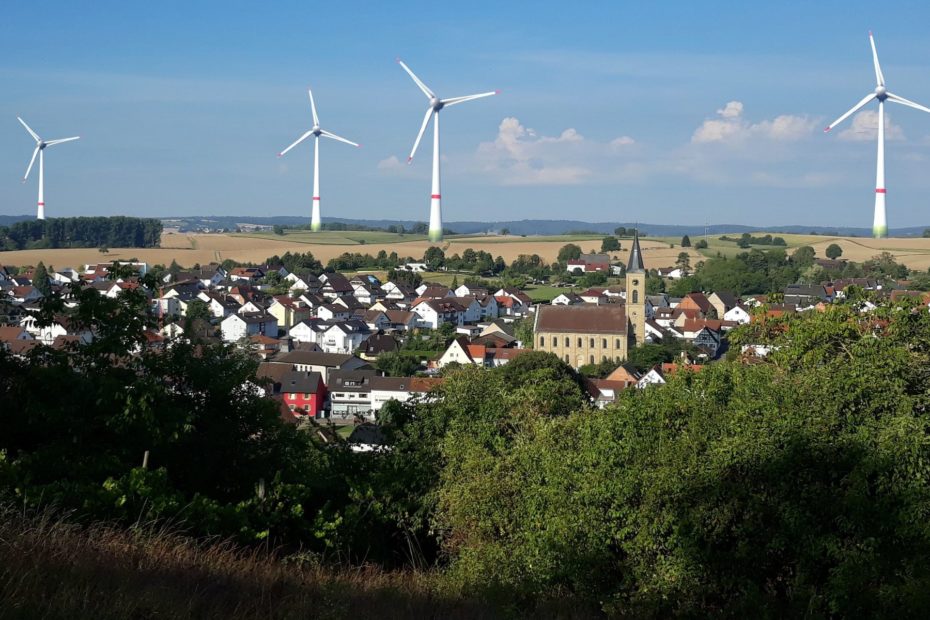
<point x="183" y="110"/>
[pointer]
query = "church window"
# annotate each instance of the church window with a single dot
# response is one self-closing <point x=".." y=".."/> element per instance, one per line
<point x="591" y="359"/>
<point x="568" y="341"/>
<point x="604" y="342"/>
<point x="635" y="297"/>
<point x="542" y="341"/>
<point x="579" y="342"/>
<point x="591" y="343"/>
<point x="617" y="343"/>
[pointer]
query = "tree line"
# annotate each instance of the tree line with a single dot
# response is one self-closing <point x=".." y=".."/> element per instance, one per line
<point x="82" y="232"/>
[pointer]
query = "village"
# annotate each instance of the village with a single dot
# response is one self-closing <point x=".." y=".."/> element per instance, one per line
<point x="337" y="347"/>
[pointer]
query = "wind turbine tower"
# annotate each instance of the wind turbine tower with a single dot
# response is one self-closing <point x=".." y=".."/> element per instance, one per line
<point x="879" y="223"/>
<point x="41" y="145"/>
<point x="432" y="112"/>
<point x="316" y="132"/>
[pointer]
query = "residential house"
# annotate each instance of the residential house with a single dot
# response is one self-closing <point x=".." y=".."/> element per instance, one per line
<point x="737" y="314"/>
<point x="323" y="363"/>
<point x="567" y="299"/>
<point x="401" y="389"/>
<point x="589" y="263"/>
<point x="249" y="275"/>
<point x="335" y="285"/>
<point x="344" y="337"/>
<point x="308" y="330"/>
<point x="723" y="302"/>
<point x="434" y="312"/>
<point x="376" y="345"/>
<point x="288" y="311"/>
<point x="235" y="327"/>
<point x="304" y="393"/>
<point x="350" y="393"/>
<point x="303" y="282"/>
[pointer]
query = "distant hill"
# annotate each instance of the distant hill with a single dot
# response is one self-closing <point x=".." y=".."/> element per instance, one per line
<point x="517" y="227"/>
<point x="545" y="227"/>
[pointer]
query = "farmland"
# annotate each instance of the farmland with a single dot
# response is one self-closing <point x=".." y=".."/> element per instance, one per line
<point x="188" y="249"/>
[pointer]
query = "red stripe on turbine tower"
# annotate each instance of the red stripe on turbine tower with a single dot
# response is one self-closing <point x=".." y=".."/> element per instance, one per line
<point x="41" y="204"/>
<point x="879" y="190"/>
<point x="316" y="197"/>
<point x="436" y="196"/>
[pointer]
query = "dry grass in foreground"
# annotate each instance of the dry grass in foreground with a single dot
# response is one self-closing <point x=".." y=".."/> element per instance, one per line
<point x="50" y="568"/>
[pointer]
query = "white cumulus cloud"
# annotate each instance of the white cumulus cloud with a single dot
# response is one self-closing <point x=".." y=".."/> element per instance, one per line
<point x="732" y="127"/>
<point x="864" y="126"/>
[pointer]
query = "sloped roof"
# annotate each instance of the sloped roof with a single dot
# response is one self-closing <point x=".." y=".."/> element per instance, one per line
<point x="609" y="319"/>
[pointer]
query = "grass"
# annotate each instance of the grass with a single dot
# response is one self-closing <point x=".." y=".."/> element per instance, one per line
<point x="544" y="293"/>
<point x="53" y="568"/>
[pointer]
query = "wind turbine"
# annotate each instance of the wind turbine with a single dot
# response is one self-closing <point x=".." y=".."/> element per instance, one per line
<point x="316" y="132"/>
<point x="41" y="145"/>
<point x="879" y="224"/>
<point x="435" y="105"/>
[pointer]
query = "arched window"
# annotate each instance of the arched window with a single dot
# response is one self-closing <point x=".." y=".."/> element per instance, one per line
<point x="591" y="360"/>
<point x="635" y="297"/>
<point x="591" y="343"/>
<point x="617" y="343"/>
<point x="542" y="341"/>
<point x="603" y="358"/>
<point x="604" y="342"/>
<point x="568" y="341"/>
<point x="566" y="358"/>
<point x="555" y="341"/>
<point x="580" y="341"/>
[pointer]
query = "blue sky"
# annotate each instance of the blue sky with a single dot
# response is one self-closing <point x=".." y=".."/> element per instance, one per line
<point x="658" y="112"/>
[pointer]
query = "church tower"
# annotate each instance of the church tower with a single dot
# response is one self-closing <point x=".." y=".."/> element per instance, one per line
<point x="636" y="295"/>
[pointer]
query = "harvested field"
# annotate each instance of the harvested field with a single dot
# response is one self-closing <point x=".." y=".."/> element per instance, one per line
<point x="188" y="249"/>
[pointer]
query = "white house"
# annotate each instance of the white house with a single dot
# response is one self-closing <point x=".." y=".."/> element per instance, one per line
<point x="435" y="312"/>
<point x="414" y="267"/>
<point x="344" y="337"/>
<point x="235" y="327"/>
<point x="306" y="331"/>
<point x="738" y="314"/>
<point x="401" y="389"/>
<point x="653" y="377"/>
<point x="567" y="299"/>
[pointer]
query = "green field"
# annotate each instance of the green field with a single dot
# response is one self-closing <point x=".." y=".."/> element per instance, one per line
<point x="729" y="249"/>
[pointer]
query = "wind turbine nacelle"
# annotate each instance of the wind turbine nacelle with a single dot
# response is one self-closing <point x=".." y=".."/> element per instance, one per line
<point x="435" y="103"/>
<point x="316" y="130"/>
<point x="881" y="93"/>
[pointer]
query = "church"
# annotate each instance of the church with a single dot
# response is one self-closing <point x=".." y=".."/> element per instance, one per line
<point x="589" y="334"/>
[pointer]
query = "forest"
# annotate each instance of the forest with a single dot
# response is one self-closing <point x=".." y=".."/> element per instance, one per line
<point x="82" y="232"/>
<point x="794" y="485"/>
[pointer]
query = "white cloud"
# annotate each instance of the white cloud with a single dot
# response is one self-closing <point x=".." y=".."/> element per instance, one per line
<point x="864" y="127"/>
<point x="622" y="141"/>
<point x="733" y="128"/>
<point x="521" y="156"/>
<point x="390" y="164"/>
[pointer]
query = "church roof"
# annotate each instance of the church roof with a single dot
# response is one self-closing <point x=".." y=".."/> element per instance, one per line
<point x="636" y="257"/>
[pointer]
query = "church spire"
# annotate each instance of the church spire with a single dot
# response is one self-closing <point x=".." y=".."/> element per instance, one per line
<point x="636" y="256"/>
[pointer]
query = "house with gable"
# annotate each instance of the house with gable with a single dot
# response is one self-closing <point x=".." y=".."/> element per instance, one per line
<point x="235" y="327"/>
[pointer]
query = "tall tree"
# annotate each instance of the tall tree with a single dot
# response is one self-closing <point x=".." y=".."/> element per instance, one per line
<point x="40" y="279"/>
<point x="686" y="241"/>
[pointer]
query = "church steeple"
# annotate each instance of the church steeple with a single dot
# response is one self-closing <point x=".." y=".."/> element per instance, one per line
<point x="635" y="265"/>
<point x="636" y="294"/>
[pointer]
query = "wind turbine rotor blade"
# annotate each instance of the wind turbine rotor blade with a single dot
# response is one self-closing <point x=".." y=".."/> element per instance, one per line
<point x="34" y="135"/>
<point x="423" y="87"/>
<point x="316" y="119"/>
<point x="879" y="78"/>
<point x="296" y="142"/>
<point x="59" y="141"/>
<point x="907" y="102"/>
<point x="339" y="138"/>
<point x="31" y="161"/>
<point x="455" y="100"/>
<point x="851" y="111"/>
<point x="429" y="113"/>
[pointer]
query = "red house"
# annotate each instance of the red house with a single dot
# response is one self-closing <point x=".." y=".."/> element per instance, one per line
<point x="304" y="393"/>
